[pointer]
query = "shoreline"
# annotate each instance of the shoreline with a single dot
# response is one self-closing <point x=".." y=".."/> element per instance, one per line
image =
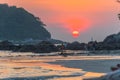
<point x="98" y="66"/>
<point x="55" y="67"/>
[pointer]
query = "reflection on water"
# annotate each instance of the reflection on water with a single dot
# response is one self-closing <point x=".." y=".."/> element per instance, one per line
<point x="35" y="71"/>
<point x="23" y="65"/>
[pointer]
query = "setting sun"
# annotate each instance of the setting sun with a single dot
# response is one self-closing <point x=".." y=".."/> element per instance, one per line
<point x="75" y="34"/>
<point x="59" y="39"/>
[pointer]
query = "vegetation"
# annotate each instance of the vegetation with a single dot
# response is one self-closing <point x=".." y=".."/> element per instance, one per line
<point x="42" y="47"/>
<point x="111" y="42"/>
<point x="16" y="24"/>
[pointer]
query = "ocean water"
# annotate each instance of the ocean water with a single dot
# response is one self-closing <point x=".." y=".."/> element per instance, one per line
<point x="32" y="71"/>
<point x="22" y="66"/>
<point x="30" y="66"/>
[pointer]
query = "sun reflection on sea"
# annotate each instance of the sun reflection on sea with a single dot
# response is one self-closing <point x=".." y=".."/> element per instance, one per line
<point x="33" y="68"/>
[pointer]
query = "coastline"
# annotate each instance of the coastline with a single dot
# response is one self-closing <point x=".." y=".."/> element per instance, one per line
<point x="53" y="67"/>
<point x="98" y="66"/>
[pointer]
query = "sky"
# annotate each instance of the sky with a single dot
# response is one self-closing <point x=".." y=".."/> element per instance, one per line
<point x="89" y="18"/>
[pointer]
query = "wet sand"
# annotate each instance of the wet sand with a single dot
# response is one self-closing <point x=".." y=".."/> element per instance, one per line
<point x="100" y="66"/>
<point x="31" y="66"/>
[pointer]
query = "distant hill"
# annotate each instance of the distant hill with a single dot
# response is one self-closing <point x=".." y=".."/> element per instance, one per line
<point x="114" y="38"/>
<point x="16" y="24"/>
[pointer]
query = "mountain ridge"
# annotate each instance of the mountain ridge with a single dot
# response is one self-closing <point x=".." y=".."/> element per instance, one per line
<point x="17" y="24"/>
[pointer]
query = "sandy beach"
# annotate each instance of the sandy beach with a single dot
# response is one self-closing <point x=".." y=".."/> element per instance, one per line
<point x="32" y="66"/>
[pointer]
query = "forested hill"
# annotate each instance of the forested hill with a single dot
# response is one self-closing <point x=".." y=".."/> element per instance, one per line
<point x="18" y="24"/>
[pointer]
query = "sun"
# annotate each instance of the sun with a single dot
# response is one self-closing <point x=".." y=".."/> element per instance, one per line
<point x="75" y="34"/>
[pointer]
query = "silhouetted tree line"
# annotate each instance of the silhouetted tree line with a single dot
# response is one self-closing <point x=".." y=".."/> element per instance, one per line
<point x="47" y="47"/>
<point x="93" y="45"/>
<point x="111" y="42"/>
<point x="42" y="47"/>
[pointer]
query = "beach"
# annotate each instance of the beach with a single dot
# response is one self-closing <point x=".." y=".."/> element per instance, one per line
<point x="31" y="66"/>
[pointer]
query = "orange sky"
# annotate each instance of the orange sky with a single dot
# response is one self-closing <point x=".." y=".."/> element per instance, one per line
<point x="64" y="16"/>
